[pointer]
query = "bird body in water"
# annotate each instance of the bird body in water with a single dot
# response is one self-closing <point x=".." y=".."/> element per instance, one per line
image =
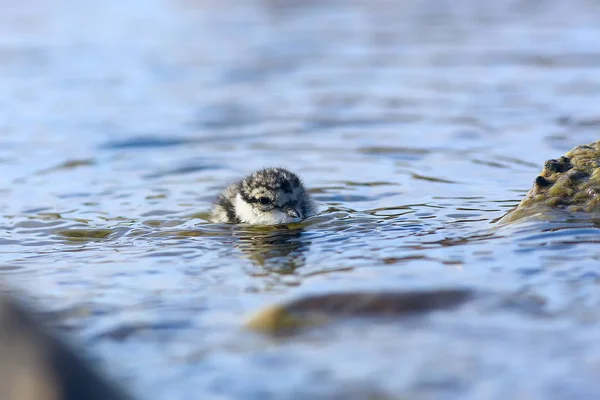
<point x="269" y="196"/>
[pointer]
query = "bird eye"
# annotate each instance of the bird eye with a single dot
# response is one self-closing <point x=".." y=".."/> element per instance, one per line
<point x="264" y="200"/>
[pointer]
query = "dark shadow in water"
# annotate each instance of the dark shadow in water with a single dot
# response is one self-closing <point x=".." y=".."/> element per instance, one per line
<point x="280" y="250"/>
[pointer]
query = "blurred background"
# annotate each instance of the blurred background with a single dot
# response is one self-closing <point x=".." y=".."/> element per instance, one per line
<point x="415" y="123"/>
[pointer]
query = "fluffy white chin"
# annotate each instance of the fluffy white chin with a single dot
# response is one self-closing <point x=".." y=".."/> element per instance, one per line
<point x="250" y="215"/>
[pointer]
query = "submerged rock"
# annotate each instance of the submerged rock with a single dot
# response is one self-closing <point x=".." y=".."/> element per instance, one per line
<point x="317" y="310"/>
<point x="571" y="183"/>
<point x="36" y="366"/>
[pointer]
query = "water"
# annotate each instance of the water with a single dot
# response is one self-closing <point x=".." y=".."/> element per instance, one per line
<point x="415" y="124"/>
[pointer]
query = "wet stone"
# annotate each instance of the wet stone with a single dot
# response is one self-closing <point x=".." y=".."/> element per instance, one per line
<point x="317" y="310"/>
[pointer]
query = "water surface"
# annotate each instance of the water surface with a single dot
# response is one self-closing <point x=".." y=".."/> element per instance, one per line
<point x="416" y="124"/>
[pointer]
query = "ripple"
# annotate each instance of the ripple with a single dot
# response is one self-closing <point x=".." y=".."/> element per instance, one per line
<point x="414" y="124"/>
<point x="69" y="165"/>
<point x="431" y="178"/>
<point x="146" y="142"/>
<point x="183" y="170"/>
<point x="402" y="153"/>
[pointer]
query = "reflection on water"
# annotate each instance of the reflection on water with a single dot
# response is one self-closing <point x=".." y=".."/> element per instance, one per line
<point x="415" y="124"/>
<point x="281" y="250"/>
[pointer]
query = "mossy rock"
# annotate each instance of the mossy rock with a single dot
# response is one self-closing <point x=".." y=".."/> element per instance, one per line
<point x="570" y="183"/>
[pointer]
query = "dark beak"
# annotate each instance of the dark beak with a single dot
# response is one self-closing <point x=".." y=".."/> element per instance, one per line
<point x="291" y="212"/>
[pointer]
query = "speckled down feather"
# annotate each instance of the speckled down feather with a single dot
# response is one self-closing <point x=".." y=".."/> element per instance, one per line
<point x="288" y="199"/>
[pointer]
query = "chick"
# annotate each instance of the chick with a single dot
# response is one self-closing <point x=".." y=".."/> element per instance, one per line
<point x="269" y="196"/>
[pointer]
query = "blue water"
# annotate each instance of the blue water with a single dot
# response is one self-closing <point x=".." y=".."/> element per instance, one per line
<point x="415" y="124"/>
